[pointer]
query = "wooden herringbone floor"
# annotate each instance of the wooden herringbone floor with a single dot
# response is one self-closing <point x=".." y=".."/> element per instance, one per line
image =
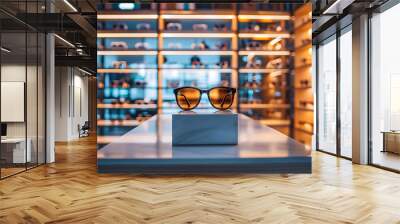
<point x="70" y="191"/>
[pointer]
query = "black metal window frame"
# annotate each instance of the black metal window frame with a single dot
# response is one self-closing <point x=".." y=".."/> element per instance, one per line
<point x="381" y="9"/>
<point x="339" y="31"/>
<point x="30" y="29"/>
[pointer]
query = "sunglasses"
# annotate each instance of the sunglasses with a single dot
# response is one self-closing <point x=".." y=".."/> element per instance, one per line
<point x="188" y="98"/>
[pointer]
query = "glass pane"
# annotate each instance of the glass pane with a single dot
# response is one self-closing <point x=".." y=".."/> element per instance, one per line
<point x="41" y="99"/>
<point x="13" y="86"/>
<point x="386" y="89"/>
<point x="327" y="96"/>
<point x="346" y="94"/>
<point x="31" y="97"/>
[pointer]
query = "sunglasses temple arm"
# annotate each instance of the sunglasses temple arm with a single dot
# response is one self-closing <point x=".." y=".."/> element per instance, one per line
<point x="187" y="101"/>
<point x="223" y="101"/>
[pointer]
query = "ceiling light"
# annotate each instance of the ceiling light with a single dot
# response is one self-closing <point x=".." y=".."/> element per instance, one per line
<point x="126" y="6"/>
<point x="5" y="50"/>
<point x="64" y="40"/>
<point x="70" y="5"/>
<point x="84" y="71"/>
<point x="122" y="16"/>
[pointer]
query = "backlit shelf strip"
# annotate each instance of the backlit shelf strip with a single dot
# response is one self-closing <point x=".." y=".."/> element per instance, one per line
<point x="194" y="35"/>
<point x="200" y="70"/>
<point x="261" y="70"/>
<point x="263" y="106"/>
<point x="127" y="106"/>
<point x="197" y="16"/>
<point x="104" y="139"/>
<point x="126" y="16"/>
<point x="131" y="35"/>
<point x="264" y="35"/>
<point x="264" y="17"/>
<point x="199" y="52"/>
<point x="118" y="123"/>
<point x="272" y="122"/>
<point x="126" y="70"/>
<point x="283" y="53"/>
<point x="126" y="52"/>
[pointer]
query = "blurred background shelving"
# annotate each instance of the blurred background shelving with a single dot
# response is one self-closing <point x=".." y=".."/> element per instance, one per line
<point x="146" y="52"/>
<point x="303" y="85"/>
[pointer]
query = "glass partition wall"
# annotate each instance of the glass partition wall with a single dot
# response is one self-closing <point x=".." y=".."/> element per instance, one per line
<point x="22" y="88"/>
<point x="385" y="88"/>
<point x="334" y="94"/>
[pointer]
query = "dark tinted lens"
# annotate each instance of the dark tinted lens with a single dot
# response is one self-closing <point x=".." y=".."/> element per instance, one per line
<point x="188" y="98"/>
<point x="221" y="98"/>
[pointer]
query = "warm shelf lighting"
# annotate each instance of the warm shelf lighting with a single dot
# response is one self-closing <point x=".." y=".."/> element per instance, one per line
<point x="127" y="106"/>
<point x="261" y="70"/>
<point x="264" y="17"/>
<point x="138" y="35"/>
<point x="125" y="16"/>
<point x="197" y="16"/>
<point x="125" y="70"/>
<point x="264" y="35"/>
<point x="199" y="52"/>
<point x="275" y="41"/>
<point x="264" y="106"/>
<point x="126" y="52"/>
<point x="264" y="52"/>
<point x="200" y="70"/>
<point x="192" y="35"/>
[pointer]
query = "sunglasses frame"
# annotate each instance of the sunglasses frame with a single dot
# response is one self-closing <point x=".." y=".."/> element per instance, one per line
<point x="207" y="91"/>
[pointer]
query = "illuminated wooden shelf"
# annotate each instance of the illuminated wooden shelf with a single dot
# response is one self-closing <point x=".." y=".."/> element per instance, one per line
<point x="303" y="25"/>
<point x="303" y="87"/>
<point x="304" y="131"/>
<point x="303" y="66"/>
<point x="197" y="16"/>
<point x="123" y="123"/>
<point x="304" y="109"/>
<point x="127" y="52"/>
<point x="193" y="34"/>
<point x="306" y="45"/>
<point x="264" y="15"/>
<point x="126" y="34"/>
<point x="264" y="35"/>
<point x="125" y="70"/>
<point x="125" y="16"/>
<point x="275" y="122"/>
<point x="263" y="106"/>
<point x="261" y="70"/>
<point x="260" y="52"/>
<point x="196" y="52"/>
<point x="127" y="106"/>
<point x="221" y="70"/>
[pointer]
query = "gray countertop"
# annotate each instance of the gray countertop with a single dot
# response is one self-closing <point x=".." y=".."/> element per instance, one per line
<point x="153" y="140"/>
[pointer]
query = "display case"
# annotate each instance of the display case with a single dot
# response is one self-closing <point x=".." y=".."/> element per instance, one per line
<point x="143" y="54"/>
<point x="265" y="60"/>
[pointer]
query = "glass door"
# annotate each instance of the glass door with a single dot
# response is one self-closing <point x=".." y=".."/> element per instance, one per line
<point x="346" y="93"/>
<point x="385" y="89"/>
<point x="327" y="96"/>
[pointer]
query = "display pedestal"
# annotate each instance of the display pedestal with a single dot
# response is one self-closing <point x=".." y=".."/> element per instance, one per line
<point x="205" y="128"/>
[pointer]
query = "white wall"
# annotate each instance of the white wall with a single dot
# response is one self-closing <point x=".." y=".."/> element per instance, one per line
<point x="71" y="102"/>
